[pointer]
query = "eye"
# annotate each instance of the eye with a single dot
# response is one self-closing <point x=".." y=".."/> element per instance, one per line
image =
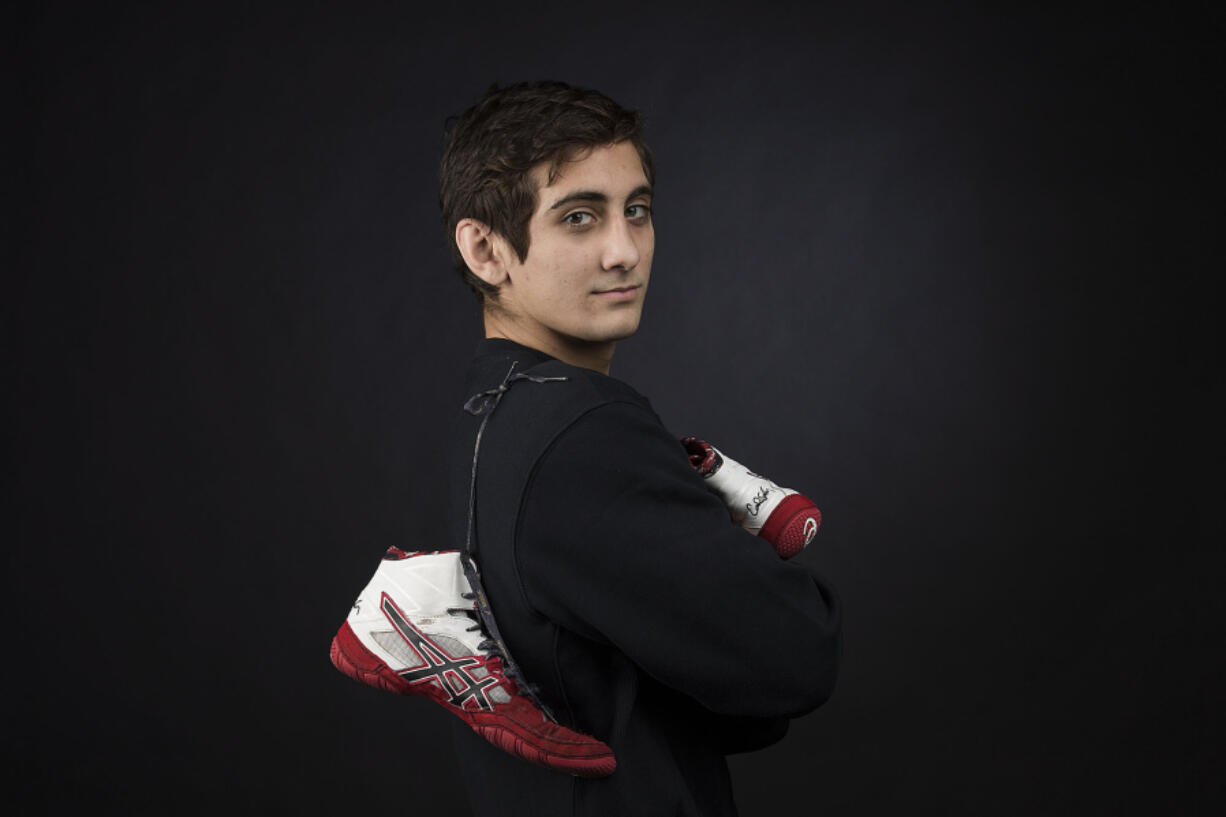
<point x="638" y="212"/>
<point x="578" y="219"/>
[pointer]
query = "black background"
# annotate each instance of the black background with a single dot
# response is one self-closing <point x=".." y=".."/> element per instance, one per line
<point x="945" y="271"/>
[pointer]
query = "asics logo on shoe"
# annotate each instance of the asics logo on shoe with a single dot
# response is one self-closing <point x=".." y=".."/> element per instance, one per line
<point x="453" y="675"/>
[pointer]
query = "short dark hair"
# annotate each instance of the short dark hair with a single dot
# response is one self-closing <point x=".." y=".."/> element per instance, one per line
<point x="492" y="147"/>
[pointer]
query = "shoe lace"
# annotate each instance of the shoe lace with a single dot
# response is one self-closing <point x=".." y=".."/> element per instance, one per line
<point x="486" y="644"/>
<point x="494" y="661"/>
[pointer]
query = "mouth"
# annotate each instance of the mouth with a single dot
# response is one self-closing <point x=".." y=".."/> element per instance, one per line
<point x="618" y="291"/>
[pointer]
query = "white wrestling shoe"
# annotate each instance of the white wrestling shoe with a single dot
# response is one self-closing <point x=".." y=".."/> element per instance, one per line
<point x="414" y="631"/>
<point x="783" y="517"/>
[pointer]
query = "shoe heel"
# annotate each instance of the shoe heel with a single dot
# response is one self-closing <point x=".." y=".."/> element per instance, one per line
<point x="792" y="525"/>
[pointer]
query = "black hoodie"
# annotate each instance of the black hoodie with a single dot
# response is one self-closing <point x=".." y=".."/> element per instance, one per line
<point x="634" y="606"/>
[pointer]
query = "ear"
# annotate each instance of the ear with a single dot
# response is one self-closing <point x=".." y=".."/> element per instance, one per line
<point x="480" y="249"/>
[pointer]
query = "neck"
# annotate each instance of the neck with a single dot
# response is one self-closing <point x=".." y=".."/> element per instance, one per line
<point x="596" y="356"/>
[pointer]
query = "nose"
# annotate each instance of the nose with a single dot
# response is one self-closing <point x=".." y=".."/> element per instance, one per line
<point x="621" y="247"/>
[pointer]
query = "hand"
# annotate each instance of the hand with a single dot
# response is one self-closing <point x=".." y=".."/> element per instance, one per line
<point x="781" y="516"/>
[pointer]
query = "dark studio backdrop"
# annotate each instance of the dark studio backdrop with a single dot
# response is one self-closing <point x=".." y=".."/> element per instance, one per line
<point x="945" y="271"/>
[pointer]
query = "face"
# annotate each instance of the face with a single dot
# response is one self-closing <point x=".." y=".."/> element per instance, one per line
<point x="591" y="240"/>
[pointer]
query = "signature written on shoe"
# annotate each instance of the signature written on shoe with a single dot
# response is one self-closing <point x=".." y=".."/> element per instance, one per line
<point x="756" y="504"/>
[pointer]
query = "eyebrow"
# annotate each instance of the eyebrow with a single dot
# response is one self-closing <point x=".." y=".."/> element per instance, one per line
<point x="598" y="197"/>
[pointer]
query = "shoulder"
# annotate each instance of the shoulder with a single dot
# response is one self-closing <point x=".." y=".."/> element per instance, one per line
<point x="554" y="400"/>
<point x="615" y="445"/>
<point x="501" y="361"/>
<point x="588" y="387"/>
<point x="606" y="416"/>
<point x="565" y="420"/>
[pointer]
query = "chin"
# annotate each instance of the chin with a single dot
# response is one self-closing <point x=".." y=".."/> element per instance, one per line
<point x="619" y="330"/>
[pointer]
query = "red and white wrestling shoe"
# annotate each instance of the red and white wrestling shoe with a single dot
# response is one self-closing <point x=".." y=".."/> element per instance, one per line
<point x="781" y="516"/>
<point x="414" y="631"/>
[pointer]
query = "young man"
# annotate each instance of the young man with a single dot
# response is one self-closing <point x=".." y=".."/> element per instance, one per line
<point x="612" y="591"/>
<point x="645" y="618"/>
